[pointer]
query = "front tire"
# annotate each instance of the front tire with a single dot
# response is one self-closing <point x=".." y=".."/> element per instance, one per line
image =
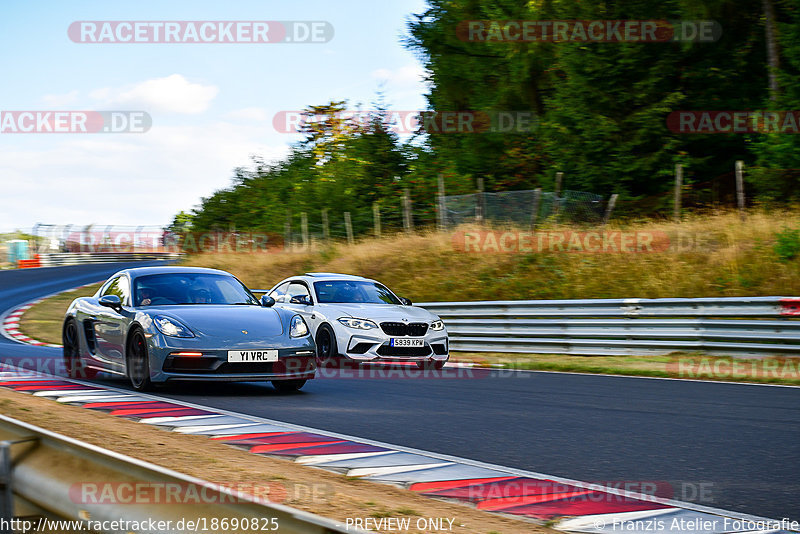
<point x="327" y="350"/>
<point x="74" y="365"/>
<point x="138" y="362"/>
<point x="288" y="386"/>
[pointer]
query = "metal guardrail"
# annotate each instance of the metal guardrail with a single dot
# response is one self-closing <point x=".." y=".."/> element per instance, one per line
<point x="47" y="473"/>
<point x="753" y="326"/>
<point x="74" y="258"/>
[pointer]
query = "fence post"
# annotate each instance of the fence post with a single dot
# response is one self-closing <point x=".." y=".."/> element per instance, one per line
<point x="537" y="198"/>
<point x="676" y="205"/>
<point x="348" y="226"/>
<point x="376" y="218"/>
<point x="408" y="222"/>
<point x="304" y="228"/>
<point x="479" y="206"/>
<point x="326" y="229"/>
<point x="442" y="214"/>
<point x="557" y="199"/>
<point x="740" y="187"/>
<point x="610" y="208"/>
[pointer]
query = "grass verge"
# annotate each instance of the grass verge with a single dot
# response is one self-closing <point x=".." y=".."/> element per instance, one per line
<point x="305" y="488"/>
<point x="705" y="256"/>
<point x="42" y="321"/>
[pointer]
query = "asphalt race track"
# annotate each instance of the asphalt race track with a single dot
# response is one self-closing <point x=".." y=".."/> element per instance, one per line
<point x="728" y="446"/>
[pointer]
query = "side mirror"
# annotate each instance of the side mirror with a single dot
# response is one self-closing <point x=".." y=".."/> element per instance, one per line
<point x="300" y="299"/>
<point x="111" y="301"/>
<point x="267" y="301"/>
<point x="405" y="301"/>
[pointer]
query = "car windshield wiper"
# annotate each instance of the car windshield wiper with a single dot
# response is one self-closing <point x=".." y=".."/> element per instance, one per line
<point x="244" y="304"/>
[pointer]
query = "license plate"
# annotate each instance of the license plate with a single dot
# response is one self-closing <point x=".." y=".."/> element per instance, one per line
<point x="252" y="355"/>
<point x="406" y="342"/>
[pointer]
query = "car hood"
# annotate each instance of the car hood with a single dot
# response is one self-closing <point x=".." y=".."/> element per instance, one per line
<point x="225" y="322"/>
<point x="383" y="312"/>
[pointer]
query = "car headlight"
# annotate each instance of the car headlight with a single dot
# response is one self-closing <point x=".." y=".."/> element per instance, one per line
<point x="298" y="327"/>
<point x="437" y="325"/>
<point x="361" y="324"/>
<point x="171" y="327"/>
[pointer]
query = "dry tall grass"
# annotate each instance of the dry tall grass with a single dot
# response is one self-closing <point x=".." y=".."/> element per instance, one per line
<point x="709" y="255"/>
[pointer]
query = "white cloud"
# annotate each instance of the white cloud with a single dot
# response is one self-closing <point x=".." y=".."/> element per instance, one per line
<point x="125" y="179"/>
<point x="172" y="94"/>
<point x="58" y="101"/>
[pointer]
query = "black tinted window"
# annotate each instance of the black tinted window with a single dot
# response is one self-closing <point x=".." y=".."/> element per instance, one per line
<point x="346" y="291"/>
<point x="190" y="288"/>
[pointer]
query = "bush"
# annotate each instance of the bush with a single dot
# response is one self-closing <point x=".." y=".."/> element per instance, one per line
<point x="787" y="244"/>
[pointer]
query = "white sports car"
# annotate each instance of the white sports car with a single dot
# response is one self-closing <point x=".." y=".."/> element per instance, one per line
<point x="359" y="319"/>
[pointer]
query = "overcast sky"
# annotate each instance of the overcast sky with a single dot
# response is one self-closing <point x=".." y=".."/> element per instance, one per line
<point x="211" y="104"/>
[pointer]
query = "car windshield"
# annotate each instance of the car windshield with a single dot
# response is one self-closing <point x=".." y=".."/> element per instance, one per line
<point x="344" y="291"/>
<point x="190" y="288"/>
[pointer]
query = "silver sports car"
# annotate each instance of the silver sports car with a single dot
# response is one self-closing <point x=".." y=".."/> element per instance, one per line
<point x="159" y="324"/>
<point x="359" y="319"/>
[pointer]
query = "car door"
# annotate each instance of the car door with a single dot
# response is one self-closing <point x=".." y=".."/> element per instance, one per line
<point x="300" y="289"/>
<point x="110" y="325"/>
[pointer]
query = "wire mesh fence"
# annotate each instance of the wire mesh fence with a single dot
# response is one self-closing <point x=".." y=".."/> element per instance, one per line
<point x="507" y="208"/>
<point x="523" y="208"/>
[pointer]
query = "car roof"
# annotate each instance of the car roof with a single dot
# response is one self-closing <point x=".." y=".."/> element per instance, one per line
<point x="135" y="272"/>
<point x="335" y="276"/>
<point x="310" y="278"/>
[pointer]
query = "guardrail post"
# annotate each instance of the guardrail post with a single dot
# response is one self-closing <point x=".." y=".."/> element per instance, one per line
<point x="6" y="497"/>
<point x="6" y="484"/>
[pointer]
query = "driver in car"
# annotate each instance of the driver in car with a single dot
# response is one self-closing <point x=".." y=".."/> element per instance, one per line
<point x="201" y="296"/>
<point x="145" y="296"/>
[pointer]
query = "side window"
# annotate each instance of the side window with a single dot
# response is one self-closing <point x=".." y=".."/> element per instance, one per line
<point x="120" y="287"/>
<point x="111" y="288"/>
<point x="297" y="289"/>
<point x="279" y="292"/>
<point x="125" y="290"/>
<point x="104" y="287"/>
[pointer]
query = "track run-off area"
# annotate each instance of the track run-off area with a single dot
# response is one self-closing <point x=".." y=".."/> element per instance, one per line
<point x="720" y="445"/>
